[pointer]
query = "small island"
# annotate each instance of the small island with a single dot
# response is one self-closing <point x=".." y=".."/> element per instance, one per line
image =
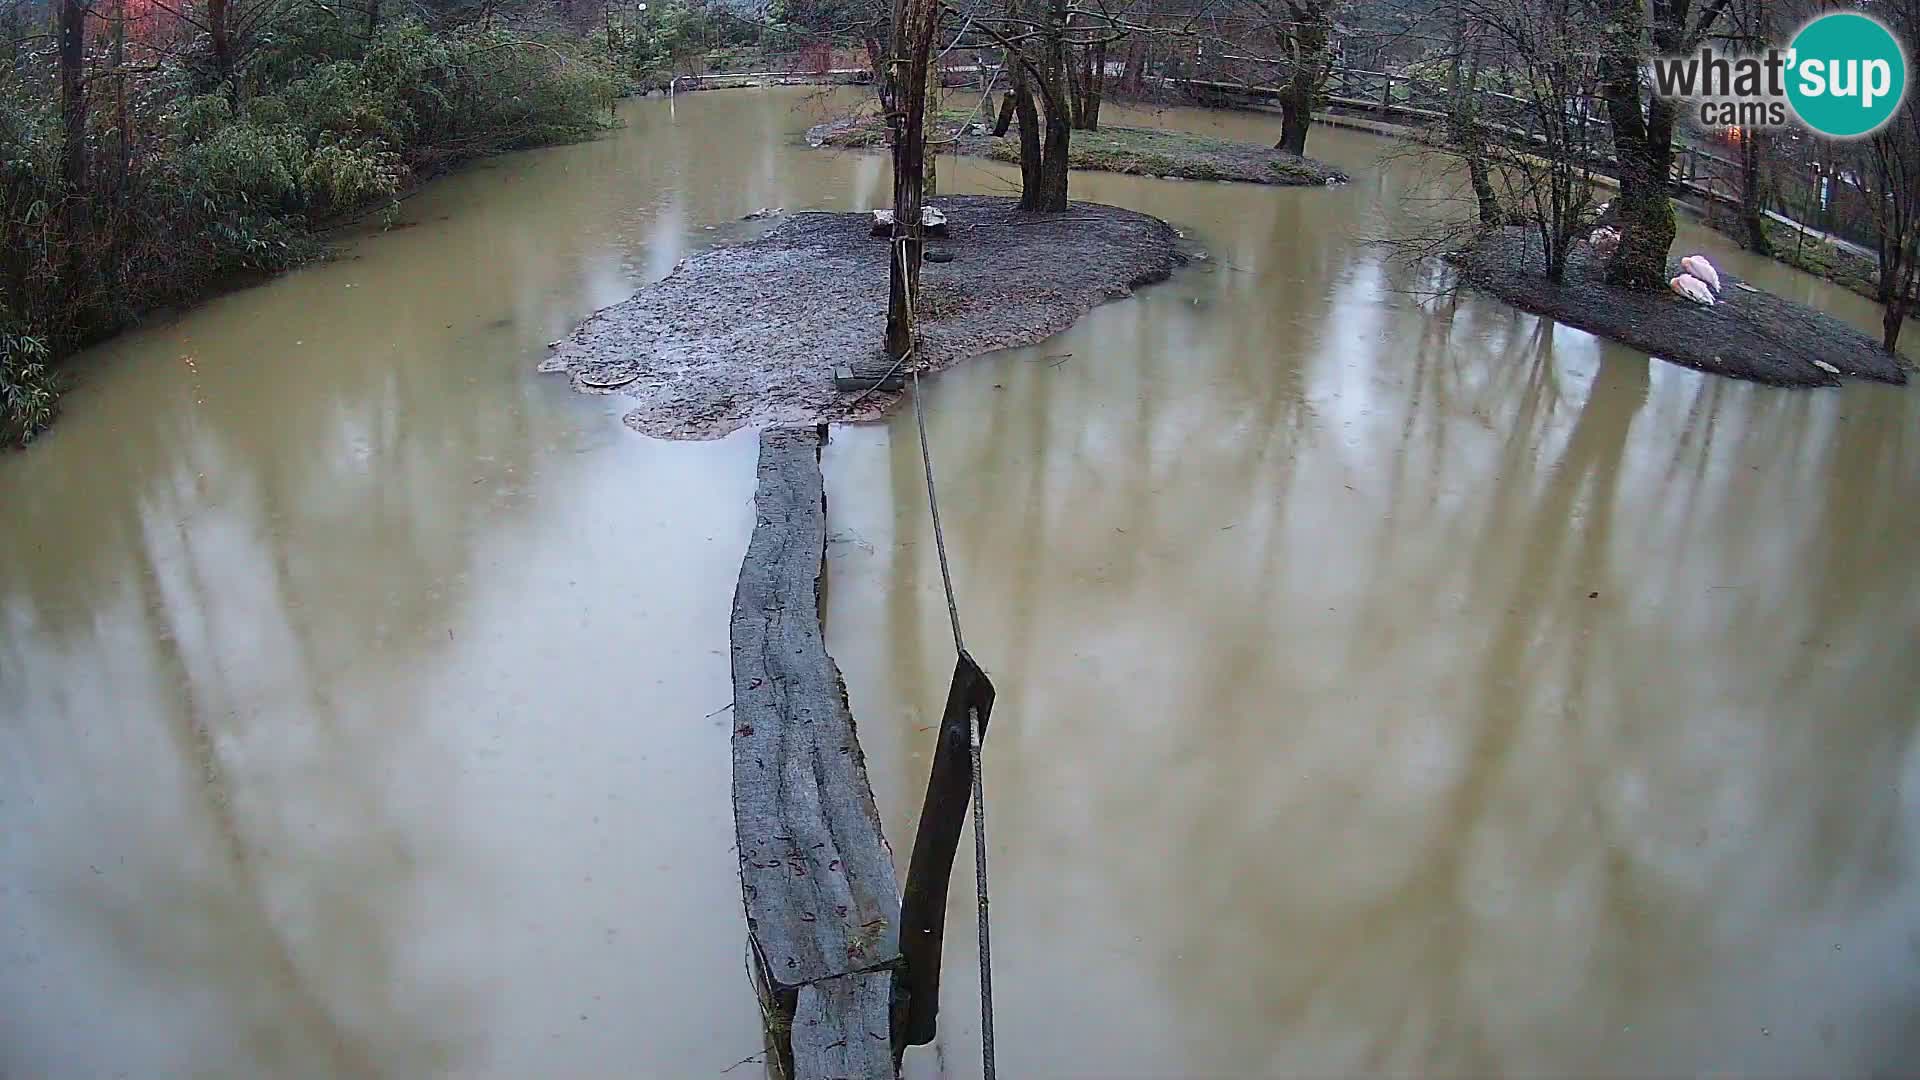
<point x="1745" y="334"/>
<point x="747" y="335"/>
<point x="1129" y="150"/>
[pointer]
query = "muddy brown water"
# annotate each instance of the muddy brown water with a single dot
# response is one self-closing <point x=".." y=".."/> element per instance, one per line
<point x="1385" y="687"/>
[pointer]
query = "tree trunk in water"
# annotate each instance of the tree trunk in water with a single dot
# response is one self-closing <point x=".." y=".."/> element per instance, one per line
<point x="73" y="100"/>
<point x="1752" y="194"/>
<point x="1643" y="148"/>
<point x="1891" y="322"/>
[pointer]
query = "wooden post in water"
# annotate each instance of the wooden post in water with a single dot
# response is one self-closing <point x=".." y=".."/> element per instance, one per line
<point x="923" y="904"/>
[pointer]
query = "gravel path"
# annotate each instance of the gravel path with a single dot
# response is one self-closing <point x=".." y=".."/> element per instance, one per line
<point x="748" y="336"/>
<point x="1746" y="335"/>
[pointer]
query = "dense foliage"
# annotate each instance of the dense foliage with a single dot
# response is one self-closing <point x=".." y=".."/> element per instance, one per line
<point x="190" y="182"/>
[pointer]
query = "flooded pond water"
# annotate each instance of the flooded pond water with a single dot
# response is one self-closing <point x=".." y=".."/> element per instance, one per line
<point x="1386" y="685"/>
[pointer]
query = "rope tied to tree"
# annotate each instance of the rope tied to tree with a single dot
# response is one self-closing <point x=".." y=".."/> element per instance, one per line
<point x="979" y="802"/>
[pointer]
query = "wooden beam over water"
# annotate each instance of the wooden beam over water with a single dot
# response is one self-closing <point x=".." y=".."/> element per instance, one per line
<point x="815" y="871"/>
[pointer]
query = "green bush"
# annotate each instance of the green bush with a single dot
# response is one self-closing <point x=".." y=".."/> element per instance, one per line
<point x="27" y="390"/>
<point x="318" y="124"/>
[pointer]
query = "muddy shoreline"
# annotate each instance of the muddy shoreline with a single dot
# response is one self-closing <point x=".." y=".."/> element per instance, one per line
<point x="1746" y="334"/>
<point x="748" y="335"/>
<point x="1128" y="150"/>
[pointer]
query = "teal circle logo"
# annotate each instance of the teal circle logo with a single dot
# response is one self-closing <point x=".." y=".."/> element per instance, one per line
<point x="1847" y="75"/>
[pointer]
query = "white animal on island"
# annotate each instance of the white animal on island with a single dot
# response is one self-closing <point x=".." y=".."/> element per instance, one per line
<point x="1698" y="266"/>
<point x="1604" y="240"/>
<point x="1693" y="289"/>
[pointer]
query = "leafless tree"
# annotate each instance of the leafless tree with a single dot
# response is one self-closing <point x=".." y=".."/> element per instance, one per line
<point x="1529" y="155"/>
<point x="1892" y="162"/>
<point x="1643" y="124"/>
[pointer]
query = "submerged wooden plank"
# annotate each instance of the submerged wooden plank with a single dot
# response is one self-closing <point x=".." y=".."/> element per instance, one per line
<point x="815" y="870"/>
<point x="840" y="1028"/>
<point x="923" y="915"/>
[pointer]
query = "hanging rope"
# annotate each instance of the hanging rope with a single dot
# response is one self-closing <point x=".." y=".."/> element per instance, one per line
<point x="973" y="714"/>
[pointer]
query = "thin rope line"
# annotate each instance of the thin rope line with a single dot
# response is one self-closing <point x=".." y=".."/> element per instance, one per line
<point x="981" y="903"/>
<point x="933" y="505"/>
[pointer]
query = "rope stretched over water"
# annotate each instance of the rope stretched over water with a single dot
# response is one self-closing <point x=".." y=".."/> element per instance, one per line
<point x="973" y="714"/>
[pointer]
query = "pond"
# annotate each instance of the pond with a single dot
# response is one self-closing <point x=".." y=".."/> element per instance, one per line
<point x="1388" y="683"/>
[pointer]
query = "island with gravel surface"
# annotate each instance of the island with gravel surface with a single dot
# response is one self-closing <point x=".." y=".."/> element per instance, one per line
<point x="749" y="335"/>
<point x="1744" y="334"/>
<point x="1130" y="150"/>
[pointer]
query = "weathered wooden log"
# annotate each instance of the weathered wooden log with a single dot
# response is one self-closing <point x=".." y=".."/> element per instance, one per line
<point x="862" y="375"/>
<point x="840" y="1027"/>
<point x="815" y="870"/>
<point x="923" y="910"/>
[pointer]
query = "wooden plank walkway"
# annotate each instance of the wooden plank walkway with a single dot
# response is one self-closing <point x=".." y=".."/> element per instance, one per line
<point x="815" y="870"/>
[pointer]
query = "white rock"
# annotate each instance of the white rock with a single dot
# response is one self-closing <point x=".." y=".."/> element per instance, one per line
<point x="1826" y="367"/>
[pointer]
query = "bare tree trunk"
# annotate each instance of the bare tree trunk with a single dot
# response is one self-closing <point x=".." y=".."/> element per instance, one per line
<point x="1093" y="87"/>
<point x="1076" y="85"/>
<point x="1053" y="174"/>
<point x="122" y="121"/>
<point x="1005" y="121"/>
<point x="1753" y="196"/>
<point x="1133" y="79"/>
<point x="930" y="175"/>
<point x="373" y="22"/>
<point x="220" y="31"/>
<point x="1296" y="115"/>
<point x="913" y="26"/>
<point x="1643" y="149"/>
<point x="1311" y="36"/>
<point x="1464" y="127"/>
<point x="1894" y="226"/>
<point x="882" y="70"/>
<point x="1031" y="170"/>
<point x="1059" y="122"/>
<point x="73" y="99"/>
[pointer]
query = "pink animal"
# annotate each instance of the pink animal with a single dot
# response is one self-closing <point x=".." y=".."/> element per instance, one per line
<point x="1604" y="240"/>
<point x="1692" y="288"/>
<point x="1699" y="267"/>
